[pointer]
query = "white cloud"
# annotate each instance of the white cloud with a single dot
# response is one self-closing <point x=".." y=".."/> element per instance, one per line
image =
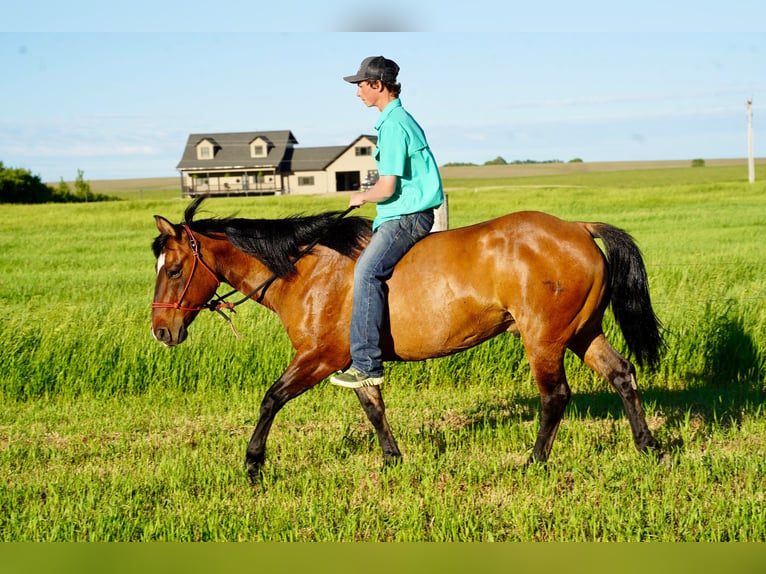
<point x="55" y="148"/>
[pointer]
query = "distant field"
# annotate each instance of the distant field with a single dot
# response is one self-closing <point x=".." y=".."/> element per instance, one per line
<point x="168" y="187"/>
<point x="538" y="169"/>
<point x="133" y="188"/>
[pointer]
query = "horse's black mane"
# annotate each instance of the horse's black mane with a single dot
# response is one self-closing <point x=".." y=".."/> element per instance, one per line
<point x="277" y="242"/>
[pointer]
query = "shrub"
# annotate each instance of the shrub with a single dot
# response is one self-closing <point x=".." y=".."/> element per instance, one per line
<point x="20" y="186"/>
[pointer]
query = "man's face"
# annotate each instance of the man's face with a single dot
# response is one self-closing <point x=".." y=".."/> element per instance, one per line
<point x="369" y="92"/>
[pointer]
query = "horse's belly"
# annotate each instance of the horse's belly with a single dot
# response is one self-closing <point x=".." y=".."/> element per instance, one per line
<point x="427" y="334"/>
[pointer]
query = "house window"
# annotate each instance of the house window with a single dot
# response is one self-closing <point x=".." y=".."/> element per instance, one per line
<point x="259" y="148"/>
<point x="204" y="152"/>
<point x="363" y="150"/>
<point x="306" y="180"/>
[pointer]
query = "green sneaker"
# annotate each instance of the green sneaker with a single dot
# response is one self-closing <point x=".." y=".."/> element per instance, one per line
<point x="355" y="379"/>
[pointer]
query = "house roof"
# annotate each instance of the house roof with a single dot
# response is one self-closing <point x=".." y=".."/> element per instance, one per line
<point x="318" y="158"/>
<point x="232" y="150"/>
<point x="315" y="158"/>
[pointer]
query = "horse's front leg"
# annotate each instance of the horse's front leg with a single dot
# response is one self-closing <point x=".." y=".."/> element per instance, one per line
<point x="305" y="371"/>
<point x="372" y="403"/>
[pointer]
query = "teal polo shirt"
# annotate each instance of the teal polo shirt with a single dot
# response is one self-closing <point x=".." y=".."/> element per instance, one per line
<point x="403" y="151"/>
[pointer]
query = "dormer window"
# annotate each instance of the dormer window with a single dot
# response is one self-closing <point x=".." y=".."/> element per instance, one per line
<point x="259" y="148"/>
<point x="206" y="149"/>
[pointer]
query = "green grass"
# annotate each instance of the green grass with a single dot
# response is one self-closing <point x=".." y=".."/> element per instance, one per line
<point x="107" y="435"/>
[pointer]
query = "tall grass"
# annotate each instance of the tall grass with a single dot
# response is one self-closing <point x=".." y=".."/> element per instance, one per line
<point x="107" y="435"/>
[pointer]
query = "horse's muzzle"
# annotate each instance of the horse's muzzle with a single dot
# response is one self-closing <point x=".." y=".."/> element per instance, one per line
<point x="167" y="338"/>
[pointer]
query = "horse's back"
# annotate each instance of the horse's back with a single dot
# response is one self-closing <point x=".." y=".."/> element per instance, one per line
<point x="457" y="288"/>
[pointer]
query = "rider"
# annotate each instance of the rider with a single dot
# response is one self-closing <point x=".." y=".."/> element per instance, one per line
<point x="406" y="193"/>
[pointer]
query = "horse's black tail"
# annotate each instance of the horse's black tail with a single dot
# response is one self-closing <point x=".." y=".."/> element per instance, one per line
<point x="629" y="288"/>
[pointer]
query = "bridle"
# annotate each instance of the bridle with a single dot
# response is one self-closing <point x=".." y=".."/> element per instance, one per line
<point x="194" y="245"/>
<point x="217" y="302"/>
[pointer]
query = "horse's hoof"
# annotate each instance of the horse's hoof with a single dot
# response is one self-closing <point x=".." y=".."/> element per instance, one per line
<point x="652" y="449"/>
<point x="254" y="468"/>
<point x="660" y="456"/>
<point x="254" y="475"/>
<point x="391" y="462"/>
<point x="537" y="459"/>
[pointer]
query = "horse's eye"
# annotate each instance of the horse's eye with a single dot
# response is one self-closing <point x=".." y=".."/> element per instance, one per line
<point x="173" y="273"/>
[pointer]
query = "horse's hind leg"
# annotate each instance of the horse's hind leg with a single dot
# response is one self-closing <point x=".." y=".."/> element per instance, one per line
<point x="548" y="370"/>
<point x="600" y="356"/>
<point x="372" y="403"/>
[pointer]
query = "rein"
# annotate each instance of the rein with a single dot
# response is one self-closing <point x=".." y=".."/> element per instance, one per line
<point x="218" y="302"/>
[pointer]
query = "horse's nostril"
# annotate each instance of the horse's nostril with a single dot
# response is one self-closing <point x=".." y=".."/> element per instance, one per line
<point x="165" y="336"/>
<point x="162" y="335"/>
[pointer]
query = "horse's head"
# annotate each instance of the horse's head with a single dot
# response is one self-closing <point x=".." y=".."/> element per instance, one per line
<point x="185" y="282"/>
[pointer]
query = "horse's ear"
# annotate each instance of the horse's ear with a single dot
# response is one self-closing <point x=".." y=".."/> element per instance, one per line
<point x="165" y="226"/>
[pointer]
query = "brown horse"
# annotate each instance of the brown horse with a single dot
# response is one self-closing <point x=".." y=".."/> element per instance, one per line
<point x="528" y="273"/>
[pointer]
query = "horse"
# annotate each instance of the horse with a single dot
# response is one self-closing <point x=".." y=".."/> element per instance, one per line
<point x="529" y="273"/>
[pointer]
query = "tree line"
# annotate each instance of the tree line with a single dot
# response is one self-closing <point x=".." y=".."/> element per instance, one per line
<point x="499" y="160"/>
<point x="19" y="185"/>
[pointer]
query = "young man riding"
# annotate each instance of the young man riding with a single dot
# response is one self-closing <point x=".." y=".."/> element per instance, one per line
<point x="407" y="192"/>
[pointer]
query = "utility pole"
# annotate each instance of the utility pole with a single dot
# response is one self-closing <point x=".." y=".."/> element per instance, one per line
<point x="750" y="159"/>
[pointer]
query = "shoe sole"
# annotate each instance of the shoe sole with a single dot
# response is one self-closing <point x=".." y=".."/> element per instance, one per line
<point x="368" y="382"/>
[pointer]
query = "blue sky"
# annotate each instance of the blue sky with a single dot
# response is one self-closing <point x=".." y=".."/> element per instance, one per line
<point x="114" y="89"/>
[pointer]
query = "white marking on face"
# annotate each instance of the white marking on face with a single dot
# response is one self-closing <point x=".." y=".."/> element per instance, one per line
<point x="160" y="263"/>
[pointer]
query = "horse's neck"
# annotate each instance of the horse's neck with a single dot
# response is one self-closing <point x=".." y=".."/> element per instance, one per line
<point x="243" y="272"/>
<point x="324" y="273"/>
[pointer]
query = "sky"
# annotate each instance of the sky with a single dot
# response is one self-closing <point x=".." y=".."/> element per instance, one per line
<point x="114" y="89"/>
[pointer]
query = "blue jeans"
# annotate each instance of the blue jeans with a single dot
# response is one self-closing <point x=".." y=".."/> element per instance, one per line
<point x="389" y="243"/>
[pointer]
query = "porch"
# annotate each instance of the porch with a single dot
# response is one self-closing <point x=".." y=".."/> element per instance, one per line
<point x="230" y="183"/>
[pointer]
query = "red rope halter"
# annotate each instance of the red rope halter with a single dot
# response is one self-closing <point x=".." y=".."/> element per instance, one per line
<point x="194" y="244"/>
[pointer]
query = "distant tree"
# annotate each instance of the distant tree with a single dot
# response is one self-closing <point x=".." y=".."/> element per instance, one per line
<point x="499" y="160"/>
<point x="82" y="188"/>
<point x="698" y="163"/>
<point x="533" y="161"/>
<point x="63" y="190"/>
<point x="20" y="186"/>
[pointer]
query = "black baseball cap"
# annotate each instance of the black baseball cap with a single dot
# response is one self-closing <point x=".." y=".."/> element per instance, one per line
<point x="375" y="68"/>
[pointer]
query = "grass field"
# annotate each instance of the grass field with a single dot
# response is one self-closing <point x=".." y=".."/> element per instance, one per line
<point x="106" y="435"/>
